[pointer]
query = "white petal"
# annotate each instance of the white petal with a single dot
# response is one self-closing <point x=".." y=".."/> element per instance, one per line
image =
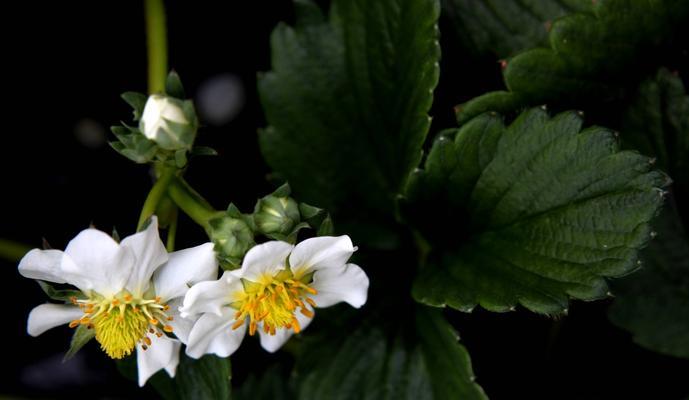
<point x="348" y="283"/>
<point x="265" y="259"/>
<point x="163" y="353"/>
<point x="213" y="334"/>
<point x="43" y="265"/>
<point x="320" y="253"/>
<point x="97" y="262"/>
<point x="211" y="296"/>
<point x="272" y="343"/>
<point x="149" y="253"/>
<point x="48" y="316"/>
<point x="181" y="326"/>
<point x="185" y="268"/>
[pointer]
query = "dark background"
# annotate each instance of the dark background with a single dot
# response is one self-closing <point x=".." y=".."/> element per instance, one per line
<point x="69" y="61"/>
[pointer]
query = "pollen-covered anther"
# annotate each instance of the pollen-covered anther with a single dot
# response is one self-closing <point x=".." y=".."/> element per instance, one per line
<point x="274" y="303"/>
<point x="122" y="321"/>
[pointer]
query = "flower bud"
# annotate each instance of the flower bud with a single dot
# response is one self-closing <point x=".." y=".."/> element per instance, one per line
<point x="232" y="238"/>
<point x="169" y="122"/>
<point x="276" y="215"/>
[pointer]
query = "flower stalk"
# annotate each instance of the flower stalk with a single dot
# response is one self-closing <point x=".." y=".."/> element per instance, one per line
<point x="155" y="195"/>
<point x="191" y="202"/>
<point x="156" y="41"/>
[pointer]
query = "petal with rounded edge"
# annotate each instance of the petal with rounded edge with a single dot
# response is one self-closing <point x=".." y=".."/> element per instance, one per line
<point x="149" y="253"/>
<point x="48" y="316"/>
<point x="212" y="296"/>
<point x="213" y="334"/>
<point x="185" y="268"/>
<point x="97" y="262"/>
<point x="272" y="343"/>
<point x="163" y="353"/>
<point x="348" y="283"/>
<point x="264" y="259"/>
<point x="43" y="265"/>
<point x="320" y="253"/>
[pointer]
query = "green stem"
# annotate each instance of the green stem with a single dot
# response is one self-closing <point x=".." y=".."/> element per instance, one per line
<point x="192" y="203"/>
<point x="172" y="232"/>
<point x="157" y="45"/>
<point x="12" y="251"/>
<point x="155" y="195"/>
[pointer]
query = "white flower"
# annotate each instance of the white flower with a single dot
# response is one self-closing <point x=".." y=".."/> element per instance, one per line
<point x="274" y="293"/>
<point x="163" y="121"/>
<point x="131" y="293"/>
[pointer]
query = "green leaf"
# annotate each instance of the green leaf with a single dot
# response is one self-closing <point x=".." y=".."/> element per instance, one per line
<point x="271" y="384"/>
<point x="82" y="335"/>
<point x="654" y="303"/>
<point x="590" y="54"/>
<point x="532" y="214"/>
<point x="657" y="124"/>
<point x="207" y="378"/>
<point x="504" y="27"/>
<point x="421" y="361"/>
<point x="347" y="101"/>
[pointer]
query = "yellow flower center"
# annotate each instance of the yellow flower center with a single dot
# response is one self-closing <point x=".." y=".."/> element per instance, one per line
<point x="122" y="321"/>
<point x="274" y="302"/>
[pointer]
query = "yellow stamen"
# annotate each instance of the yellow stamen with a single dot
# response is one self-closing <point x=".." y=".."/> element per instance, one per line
<point x="121" y="322"/>
<point x="273" y="302"/>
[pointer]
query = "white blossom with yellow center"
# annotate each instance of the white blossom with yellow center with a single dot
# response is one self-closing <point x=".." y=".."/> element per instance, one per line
<point x="130" y="293"/>
<point x="273" y="294"/>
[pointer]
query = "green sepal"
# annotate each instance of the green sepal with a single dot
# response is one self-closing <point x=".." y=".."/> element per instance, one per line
<point x="82" y="335"/>
<point x="199" y="151"/>
<point x="137" y="101"/>
<point x="173" y="86"/>
<point x="60" y="294"/>
<point x="181" y="158"/>
<point x="232" y="238"/>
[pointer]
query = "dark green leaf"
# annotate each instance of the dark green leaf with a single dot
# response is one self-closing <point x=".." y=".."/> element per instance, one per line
<point x="82" y="335"/>
<point x="207" y="378"/>
<point x="421" y="361"/>
<point x="504" y="27"/>
<point x="657" y="124"/>
<point x="271" y="384"/>
<point x="347" y="100"/>
<point x="653" y="304"/>
<point x="590" y="54"/>
<point x="531" y="214"/>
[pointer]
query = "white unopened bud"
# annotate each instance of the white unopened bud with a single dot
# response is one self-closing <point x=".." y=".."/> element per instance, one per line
<point x="166" y="122"/>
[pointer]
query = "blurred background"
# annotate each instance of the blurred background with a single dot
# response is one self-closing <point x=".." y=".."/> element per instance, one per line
<point x="68" y="63"/>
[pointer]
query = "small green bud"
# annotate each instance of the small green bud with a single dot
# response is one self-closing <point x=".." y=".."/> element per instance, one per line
<point x="169" y="122"/>
<point x="275" y="214"/>
<point x="232" y="238"/>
